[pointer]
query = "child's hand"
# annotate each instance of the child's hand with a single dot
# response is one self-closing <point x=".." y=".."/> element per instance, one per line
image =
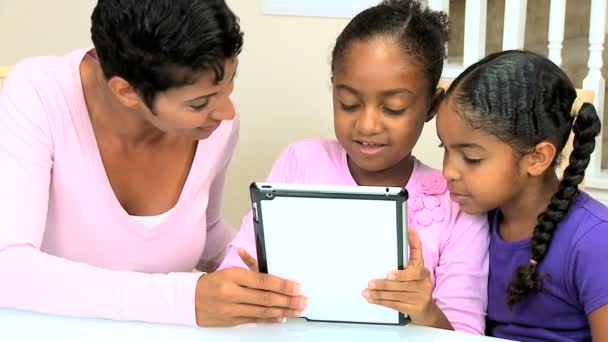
<point x="408" y="291"/>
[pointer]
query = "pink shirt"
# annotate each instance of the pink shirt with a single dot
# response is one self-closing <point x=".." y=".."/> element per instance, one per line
<point x="66" y="245"/>
<point x="455" y="245"/>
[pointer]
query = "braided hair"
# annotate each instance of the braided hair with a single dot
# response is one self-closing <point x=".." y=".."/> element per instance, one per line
<point x="524" y="99"/>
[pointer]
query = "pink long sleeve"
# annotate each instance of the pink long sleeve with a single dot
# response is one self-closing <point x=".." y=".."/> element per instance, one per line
<point x="32" y="280"/>
<point x="283" y="171"/>
<point x="219" y="232"/>
<point x="461" y="274"/>
<point x="66" y="245"/>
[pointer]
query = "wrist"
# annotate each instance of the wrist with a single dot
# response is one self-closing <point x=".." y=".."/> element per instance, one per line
<point x="432" y="316"/>
<point x="198" y="292"/>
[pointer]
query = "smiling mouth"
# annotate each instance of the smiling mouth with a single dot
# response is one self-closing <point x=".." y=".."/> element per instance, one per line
<point x="369" y="144"/>
<point x="369" y="148"/>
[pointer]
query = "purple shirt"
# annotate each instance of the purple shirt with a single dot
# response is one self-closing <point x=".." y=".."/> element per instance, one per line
<point x="575" y="278"/>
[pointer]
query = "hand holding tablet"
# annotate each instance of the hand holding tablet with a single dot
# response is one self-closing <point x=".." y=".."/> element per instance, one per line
<point x="409" y="290"/>
<point x="237" y="296"/>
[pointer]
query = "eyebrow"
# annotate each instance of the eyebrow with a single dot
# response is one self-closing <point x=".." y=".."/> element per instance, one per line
<point x="389" y="92"/>
<point x="466" y="145"/>
<point x="201" y="97"/>
<point x="392" y="92"/>
<point x="461" y="145"/>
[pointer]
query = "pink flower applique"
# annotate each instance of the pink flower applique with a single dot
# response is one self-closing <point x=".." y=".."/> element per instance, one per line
<point x="416" y="203"/>
<point x="432" y="184"/>
<point x="426" y="208"/>
<point x="424" y="218"/>
<point x="438" y="214"/>
<point x="431" y="202"/>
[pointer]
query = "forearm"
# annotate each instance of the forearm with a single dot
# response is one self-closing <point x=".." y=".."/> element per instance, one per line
<point x="216" y="246"/>
<point x="32" y="280"/>
<point x="435" y="318"/>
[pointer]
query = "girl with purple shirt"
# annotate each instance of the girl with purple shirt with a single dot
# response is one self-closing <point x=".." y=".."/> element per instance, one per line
<point x="385" y="69"/>
<point x="504" y="124"/>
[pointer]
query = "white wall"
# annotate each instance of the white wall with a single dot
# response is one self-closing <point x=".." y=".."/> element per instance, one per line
<point x="34" y="27"/>
<point x="283" y="87"/>
<point x="283" y="92"/>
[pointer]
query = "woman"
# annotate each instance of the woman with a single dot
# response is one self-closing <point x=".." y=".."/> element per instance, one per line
<point x="112" y="169"/>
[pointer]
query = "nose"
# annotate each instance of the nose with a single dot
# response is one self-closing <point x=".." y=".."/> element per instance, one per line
<point x="224" y="111"/>
<point x="450" y="172"/>
<point x="369" y="122"/>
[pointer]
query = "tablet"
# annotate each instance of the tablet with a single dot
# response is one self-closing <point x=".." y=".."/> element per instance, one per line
<point x="332" y="240"/>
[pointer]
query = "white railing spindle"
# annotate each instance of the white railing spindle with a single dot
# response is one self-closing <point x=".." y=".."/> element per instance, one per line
<point x="557" y="24"/>
<point x="476" y="12"/>
<point x="514" y="31"/>
<point x="440" y="5"/>
<point x="594" y="79"/>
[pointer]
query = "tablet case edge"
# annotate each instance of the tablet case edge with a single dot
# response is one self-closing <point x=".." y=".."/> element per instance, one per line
<point x="257" y="195"/>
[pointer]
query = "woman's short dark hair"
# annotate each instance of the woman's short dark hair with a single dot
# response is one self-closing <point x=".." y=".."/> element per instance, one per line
<point x="156" y="45"/>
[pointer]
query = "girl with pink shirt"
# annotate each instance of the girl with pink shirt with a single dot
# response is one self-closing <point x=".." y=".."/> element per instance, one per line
<point x="385" y="69"/>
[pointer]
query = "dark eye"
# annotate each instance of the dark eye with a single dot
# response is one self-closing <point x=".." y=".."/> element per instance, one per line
<point x="198" y="108"/>
<point x="472" y="161"/>
<point x="441" y="145"/>
<point x="348" y="108"/>
<point x="394" y="111"/>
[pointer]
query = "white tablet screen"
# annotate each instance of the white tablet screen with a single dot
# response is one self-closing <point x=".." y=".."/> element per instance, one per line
<point x="333" y="247"/>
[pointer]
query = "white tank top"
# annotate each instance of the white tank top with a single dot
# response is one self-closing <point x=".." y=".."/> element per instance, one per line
<point x="152" y="221"/>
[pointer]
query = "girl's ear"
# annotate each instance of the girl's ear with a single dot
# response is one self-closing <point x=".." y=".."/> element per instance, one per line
<point x="438" y="96"/>
<point x="541" y="159"/>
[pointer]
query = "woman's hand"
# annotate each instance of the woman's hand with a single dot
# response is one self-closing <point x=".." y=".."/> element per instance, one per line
<point x="409" y="291"/>
<point x="236" y="296"/>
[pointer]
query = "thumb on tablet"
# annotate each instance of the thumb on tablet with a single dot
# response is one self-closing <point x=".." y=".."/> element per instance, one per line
<point x="416" y="259"/>
<point x="250" y="261"/>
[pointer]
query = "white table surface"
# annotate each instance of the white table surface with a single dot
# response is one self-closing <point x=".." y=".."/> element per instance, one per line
<point x="27" y="326"/>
